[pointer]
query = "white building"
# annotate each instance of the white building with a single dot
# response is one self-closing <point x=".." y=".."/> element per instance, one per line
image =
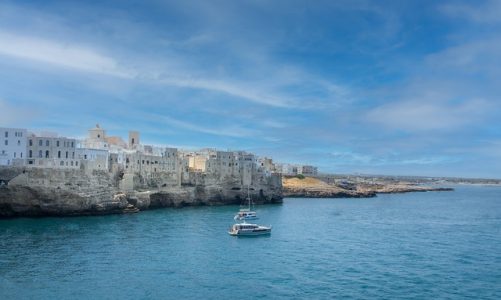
<point x="12" y="146"/>
<point x="51" y="152"/>
<point x="287" y="169"/>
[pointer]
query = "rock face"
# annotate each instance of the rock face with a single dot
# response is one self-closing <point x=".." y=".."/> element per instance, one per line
<point x="39" y="192"/>
<point x="315" y="188"/>
<point x="400" y="188"/>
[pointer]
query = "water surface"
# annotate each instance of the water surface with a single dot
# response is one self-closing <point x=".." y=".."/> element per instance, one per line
<point x="444" y="245"/>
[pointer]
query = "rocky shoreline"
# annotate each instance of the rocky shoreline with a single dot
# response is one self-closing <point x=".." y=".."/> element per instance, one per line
<point x="39" y="192"/>
<point x="294" y="187"/>
<point x="48" y="192"/>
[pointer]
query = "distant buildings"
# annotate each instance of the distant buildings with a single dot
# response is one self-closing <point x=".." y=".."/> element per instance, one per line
<point x="293" y="170"/>
<point x="99" y="152"/>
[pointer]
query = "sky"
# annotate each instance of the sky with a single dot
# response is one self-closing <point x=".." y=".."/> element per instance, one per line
<point x="371" y="87"/>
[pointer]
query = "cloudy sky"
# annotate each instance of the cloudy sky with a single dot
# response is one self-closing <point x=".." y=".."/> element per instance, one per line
<point x="381" y="87"/>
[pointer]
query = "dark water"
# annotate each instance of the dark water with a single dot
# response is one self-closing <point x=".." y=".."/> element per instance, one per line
<point x="444" y="245"/>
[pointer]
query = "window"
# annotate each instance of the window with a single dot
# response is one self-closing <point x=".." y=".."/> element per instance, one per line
<point x="73" y="155"/>
<point x="85" y="156"/>
<point x="61" y="163"/>
<point x="47" y="154"/>
<point x="66" y="154"/>
<point x="58" y="154"/>
<point x="98" y="136"/>
<point x="6" y="142"/>
<point x="40" y="153"/>
<point x="57" y="143"/>
<point x="72" y="144"/>
<point x="40" y="142"/>
<point x="14" y="154"/>
<point x="6" y="134"/>
<point x="31" y="142"/>
<point x="132" y="142"/>
<point x="47" y="143"/>
<point x="21" y="154"/>
<point x="30" y="155"/>
<point x="76" y="163"/>
<point x="30" y="162"/>
<point x="72" y="163"/>
<point x="18" y="142"/>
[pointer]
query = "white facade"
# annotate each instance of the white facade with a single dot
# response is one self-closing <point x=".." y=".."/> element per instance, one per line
<point x="12" y="146"/>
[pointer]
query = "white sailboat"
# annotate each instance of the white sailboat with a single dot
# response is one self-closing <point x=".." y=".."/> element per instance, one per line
<point x="246" y="213"/>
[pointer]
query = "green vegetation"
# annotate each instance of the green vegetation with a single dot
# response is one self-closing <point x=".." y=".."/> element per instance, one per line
<point x="300" y="176"/>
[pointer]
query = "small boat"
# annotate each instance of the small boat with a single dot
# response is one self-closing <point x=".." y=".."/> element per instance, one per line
<point x="130" y="209"/>
<point x="246" y="213"/>
<point x="246" y="229"/>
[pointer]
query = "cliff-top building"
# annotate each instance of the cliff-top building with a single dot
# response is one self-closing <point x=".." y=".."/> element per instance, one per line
<point x="51" y="152"/>
<point x="12" y="146"/>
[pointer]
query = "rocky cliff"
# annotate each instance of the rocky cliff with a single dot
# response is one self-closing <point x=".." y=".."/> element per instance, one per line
<point x="35" y="192"/>
<point x="314" y="188"/>
<point x="309" y="187"/>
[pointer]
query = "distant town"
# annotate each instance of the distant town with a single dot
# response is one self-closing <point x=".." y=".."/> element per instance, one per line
<point x="100" y="151"/>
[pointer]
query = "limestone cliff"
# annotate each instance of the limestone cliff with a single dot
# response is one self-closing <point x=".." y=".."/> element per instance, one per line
<point x="314" y="188"/>
<point x="310" y="187"/>
<point x="36" y="192"/>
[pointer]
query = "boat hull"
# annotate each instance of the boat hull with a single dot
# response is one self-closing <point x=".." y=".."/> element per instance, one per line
<point x="255" y="232"/>
<point x="246" y="218"/>
<point x="249" y="233"/>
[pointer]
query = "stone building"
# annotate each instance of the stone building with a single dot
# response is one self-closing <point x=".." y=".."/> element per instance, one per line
<point x="12" y="146"/>
<point x="133" y="139"/>
<point x="51" y="152"/>
<point x="96" y="139"/>
<point x="93" y="159"/>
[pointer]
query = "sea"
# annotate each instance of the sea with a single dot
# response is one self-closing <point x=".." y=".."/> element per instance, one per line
<point x="431" y="245"/>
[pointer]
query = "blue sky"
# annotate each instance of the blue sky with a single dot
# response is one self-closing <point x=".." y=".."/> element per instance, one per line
<point x="380" y="87"/>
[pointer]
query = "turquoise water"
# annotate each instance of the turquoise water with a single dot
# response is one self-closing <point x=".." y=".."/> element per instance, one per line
<point x="444" y="245"/>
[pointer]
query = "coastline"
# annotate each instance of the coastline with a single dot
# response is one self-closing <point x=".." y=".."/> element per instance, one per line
<point x="310" y="187"/>
<point x="51" y="192"/>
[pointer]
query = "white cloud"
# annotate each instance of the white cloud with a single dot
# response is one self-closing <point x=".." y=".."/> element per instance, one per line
<point x="231" y="131"/>
<point x="60" y="54"/>
<point x="239" y="90"/>
<point x="481" y="56"/>
<point x="85" y="59"/>
<point x="487" y="12"/>
<point x="430" y="115"/>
